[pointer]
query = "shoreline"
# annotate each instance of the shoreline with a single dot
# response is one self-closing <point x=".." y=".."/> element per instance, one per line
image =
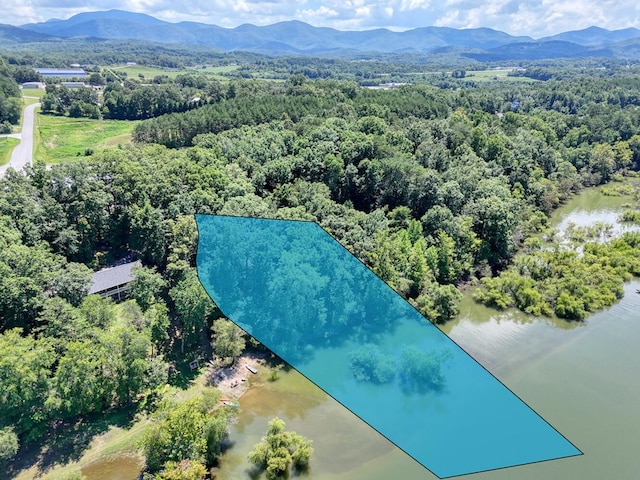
<point x="234" y="380"/>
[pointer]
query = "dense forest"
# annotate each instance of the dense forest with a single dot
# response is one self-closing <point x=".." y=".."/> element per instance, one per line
<point x="432" y="187"/>
<point x="9" y="103"/>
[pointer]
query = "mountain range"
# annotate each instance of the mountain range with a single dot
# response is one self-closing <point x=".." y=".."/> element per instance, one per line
<point x="295" y="37"/>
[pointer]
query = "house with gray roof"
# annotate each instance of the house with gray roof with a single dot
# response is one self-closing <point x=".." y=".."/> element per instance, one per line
<point x="114" y="282"/>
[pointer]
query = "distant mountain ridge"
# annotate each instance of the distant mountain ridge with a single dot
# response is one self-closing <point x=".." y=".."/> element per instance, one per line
<point x="11" y="34"/>
<point x="295" y="37"/>
<point x="594" y="36"/>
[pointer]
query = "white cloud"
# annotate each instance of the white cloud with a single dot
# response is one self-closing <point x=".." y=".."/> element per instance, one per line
<point x="536" y="18"/>
<point x="317" y="16"/>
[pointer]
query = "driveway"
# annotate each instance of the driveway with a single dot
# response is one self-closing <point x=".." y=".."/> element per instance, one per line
<point x="22" y="155"/>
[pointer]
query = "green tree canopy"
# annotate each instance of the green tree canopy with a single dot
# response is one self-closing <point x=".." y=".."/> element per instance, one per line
<point x="279" y="450"/>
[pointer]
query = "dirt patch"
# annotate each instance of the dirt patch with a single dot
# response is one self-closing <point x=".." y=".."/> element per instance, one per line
<point x="233" y="381"/>
<point x="51" y="143"/>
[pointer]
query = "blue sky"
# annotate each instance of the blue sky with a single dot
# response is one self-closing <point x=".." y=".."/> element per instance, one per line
<point x="536" y="18"/>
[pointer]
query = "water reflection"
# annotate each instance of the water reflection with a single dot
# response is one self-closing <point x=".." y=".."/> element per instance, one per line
<point x="345" y="447"/>
<point x="305" y="297"/>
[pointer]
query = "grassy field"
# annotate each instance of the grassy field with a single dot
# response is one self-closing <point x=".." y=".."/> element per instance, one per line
<point x="6" y="147"/>
<point x="133" y="71"/>
<point x="495" y="75"/>
<point x="59" y="139"/>
<point x="33" y="94"/>
<point x="214" y="72"/>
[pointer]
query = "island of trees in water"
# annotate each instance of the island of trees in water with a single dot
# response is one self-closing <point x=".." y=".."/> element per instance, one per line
<point x="431" y="187"/>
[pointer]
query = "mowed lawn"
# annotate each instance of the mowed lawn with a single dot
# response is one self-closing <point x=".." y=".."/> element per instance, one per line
<point x="6" y="147"/>
<point x="59" y="138"/>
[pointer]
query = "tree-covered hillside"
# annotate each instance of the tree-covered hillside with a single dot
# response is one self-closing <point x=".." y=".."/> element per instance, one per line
<point x="9" y="104"/>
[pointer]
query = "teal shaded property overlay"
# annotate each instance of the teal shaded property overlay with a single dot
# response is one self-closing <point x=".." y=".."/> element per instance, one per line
<point x="305" y="297"/>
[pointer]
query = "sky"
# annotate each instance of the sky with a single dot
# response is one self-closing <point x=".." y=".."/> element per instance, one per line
<point x="535" y="18"/>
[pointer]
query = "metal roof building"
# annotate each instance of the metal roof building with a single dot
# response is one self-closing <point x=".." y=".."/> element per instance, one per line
<point x="113" y="282"/>
<point x="61" y="72"/>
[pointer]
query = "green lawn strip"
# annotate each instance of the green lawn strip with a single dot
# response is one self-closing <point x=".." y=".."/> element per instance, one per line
<point x="6" y="147"/>
<point x="29" y="97"/>
<point x="63" y="138"/>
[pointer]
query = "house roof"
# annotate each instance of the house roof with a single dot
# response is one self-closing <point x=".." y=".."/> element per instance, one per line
<point x="61" y="71"/>
<point x="112" y="277"/>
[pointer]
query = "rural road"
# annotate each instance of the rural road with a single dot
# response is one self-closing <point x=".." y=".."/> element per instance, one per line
<point x="22" y="155"/>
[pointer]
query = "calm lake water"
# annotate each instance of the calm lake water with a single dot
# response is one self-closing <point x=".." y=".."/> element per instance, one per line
<point x="581" y="377"/>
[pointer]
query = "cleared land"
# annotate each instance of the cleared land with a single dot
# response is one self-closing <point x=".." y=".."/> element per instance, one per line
<point x="36" y="93"/>
<point x="134" y="71"/>
<point x="59" y="138"/>
<point x="6" y="147"/>
<point x="495" y="75"/>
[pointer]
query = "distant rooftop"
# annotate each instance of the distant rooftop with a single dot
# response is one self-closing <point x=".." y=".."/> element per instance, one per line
<point x="61" y="72"/>
<point x="109" y="278"/>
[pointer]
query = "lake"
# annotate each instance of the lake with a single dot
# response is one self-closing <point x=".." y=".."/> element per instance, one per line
<point x="581" y="377"/>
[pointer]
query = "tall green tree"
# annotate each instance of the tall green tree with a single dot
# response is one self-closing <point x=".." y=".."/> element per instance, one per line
<point x="25" y="379"/>
<point x="228" y="339"/>
<point x="193" y="306"/>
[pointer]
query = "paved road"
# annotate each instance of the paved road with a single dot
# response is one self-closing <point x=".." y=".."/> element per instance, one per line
<point x="22" y="155"/>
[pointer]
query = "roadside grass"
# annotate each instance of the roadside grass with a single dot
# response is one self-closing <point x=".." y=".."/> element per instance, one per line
<point x="26" y="101"/>
<point x="29" y="97"/>
<point x="60" y="138"/>
<point x="6" y="147"/>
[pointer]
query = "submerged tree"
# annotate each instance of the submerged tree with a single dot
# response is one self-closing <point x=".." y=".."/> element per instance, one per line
<point x="369" y="364"/>
<point x="280" y="449"/>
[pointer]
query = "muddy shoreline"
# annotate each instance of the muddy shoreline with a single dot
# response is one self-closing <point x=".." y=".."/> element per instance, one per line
<point x="234" y="380"/>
